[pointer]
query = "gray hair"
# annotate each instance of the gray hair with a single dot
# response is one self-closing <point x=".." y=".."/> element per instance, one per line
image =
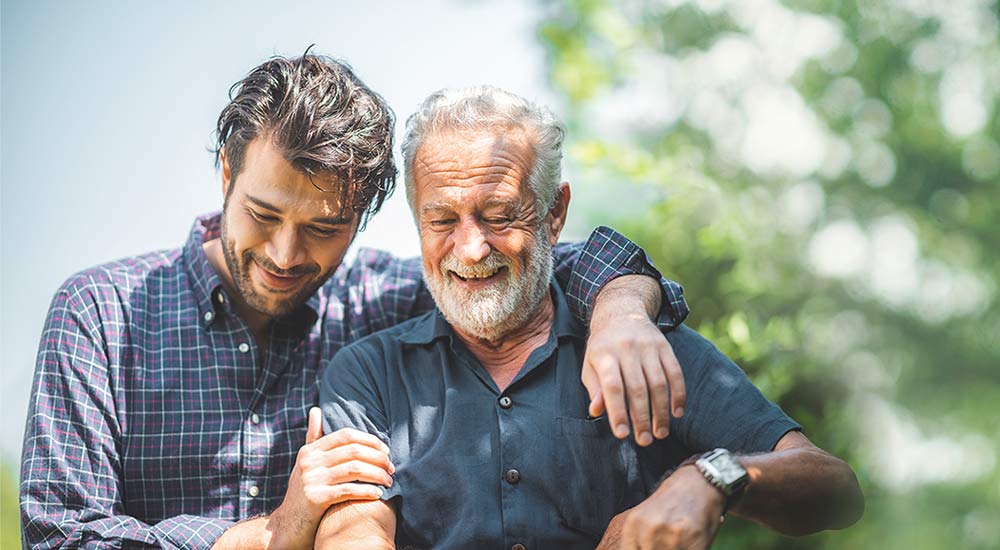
<point x="490" y="109"/>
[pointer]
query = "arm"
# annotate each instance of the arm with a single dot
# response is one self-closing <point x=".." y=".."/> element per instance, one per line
<point x="610" y="281"/>
<point x="797" y="489"/>
<point x="328" y="470"/>
<point x="369" y="525"/>
<point x="70" y="485"/>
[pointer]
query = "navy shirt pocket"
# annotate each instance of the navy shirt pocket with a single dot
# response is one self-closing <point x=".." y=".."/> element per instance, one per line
<point x="596" y="468"/>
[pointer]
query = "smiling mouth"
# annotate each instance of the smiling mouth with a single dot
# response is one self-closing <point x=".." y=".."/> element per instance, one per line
<point x="278" y="283"/>
<point x="478" y="279"/>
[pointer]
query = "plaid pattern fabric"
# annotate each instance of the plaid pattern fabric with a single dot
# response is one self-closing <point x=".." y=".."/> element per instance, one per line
<point x="155" y="419"/>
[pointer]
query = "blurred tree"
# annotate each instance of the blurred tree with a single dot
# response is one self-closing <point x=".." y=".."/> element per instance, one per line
<point x="823" y="178"/>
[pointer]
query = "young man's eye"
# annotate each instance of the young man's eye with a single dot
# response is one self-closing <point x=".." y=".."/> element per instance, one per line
<point x="262" y="217"/>
<point x="324" y="232"/>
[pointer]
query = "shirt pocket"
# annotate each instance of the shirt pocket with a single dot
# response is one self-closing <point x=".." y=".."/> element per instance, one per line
<point x="596" y="469"/>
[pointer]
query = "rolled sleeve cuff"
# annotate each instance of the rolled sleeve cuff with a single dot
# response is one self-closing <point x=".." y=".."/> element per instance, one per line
<point x="608" y="255"/>
<point x="189" y="532"/>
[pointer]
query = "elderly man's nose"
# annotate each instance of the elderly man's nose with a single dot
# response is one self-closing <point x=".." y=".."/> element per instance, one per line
<point x="470" y="243"/>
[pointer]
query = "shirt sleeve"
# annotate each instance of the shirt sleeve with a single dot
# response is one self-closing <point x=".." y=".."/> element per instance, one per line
<point x="69" y="495"/>
<point x="349" y="396"/>
<point x="583" y="270"/>
<point x="724" y="408"/>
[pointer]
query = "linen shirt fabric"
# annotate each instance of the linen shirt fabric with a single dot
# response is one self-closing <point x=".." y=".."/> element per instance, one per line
<point x="477" y="467"/>
<point x="155" y="420"/>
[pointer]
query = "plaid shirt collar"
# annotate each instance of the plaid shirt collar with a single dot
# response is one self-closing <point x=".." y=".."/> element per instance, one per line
<point x="213" y="300"/>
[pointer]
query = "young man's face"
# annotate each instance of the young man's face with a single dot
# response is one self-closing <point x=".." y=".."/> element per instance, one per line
<point x="283" y="231"/>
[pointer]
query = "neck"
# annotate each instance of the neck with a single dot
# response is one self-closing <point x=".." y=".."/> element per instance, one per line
<point x="257" y="322"/>
<point x="504" y="355"/>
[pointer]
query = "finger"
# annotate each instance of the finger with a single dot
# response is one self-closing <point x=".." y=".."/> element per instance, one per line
<point x="659" y="393"/>
<point x="345" y="436"/>
<point x="315" y="429"/>
<point x="675" y="377"/>
<point x="356" y="451"/>
<point x="638" y="399"/>
<point x="613" y="390"/>
<point x="589" y="378"/>
<point x="344" y="492"/>
<point x="596" y="406"/>
<point x="356" y="470"/>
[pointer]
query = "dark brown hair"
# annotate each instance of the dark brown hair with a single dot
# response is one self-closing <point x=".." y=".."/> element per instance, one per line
<point x="323" y="119"/>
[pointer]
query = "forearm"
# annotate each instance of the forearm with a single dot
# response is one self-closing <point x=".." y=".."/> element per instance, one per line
<point x="628" y="295"/>
<point x="370" y="525"/>
<point x="801" y="490"/>
<point x="254" y="534"/>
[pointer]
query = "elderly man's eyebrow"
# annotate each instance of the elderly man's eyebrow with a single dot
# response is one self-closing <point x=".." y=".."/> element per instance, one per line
<point x="437" y="206"/>
<point x="503" y="202"/>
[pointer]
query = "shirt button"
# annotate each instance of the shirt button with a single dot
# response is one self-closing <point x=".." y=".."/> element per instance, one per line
<point x="244" y="347"/>
<point x="209" y="316"/>
<point x="506" y="402"/>
<point x="221" y="298"/>
<point x="512" y="476"/>
<point x="254" y="491"/>
<point x="254" y="418"/>
<point x="517" y="546"/>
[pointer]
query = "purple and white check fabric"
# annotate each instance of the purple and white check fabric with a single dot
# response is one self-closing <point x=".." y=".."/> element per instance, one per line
<point x="157" y="422"/>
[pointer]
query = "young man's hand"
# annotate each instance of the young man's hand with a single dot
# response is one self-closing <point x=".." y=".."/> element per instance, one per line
<point x="347" y="465"/>
<point x="628" y="358"/>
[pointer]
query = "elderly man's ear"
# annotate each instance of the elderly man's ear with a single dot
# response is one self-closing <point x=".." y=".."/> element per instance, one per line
<point x="556" y="218"/>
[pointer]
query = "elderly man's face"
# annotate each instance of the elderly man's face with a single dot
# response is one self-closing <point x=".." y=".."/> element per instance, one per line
<point x="486" y="252"/>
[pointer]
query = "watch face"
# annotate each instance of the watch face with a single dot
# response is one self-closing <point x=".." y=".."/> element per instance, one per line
<point x="727" y="467"/>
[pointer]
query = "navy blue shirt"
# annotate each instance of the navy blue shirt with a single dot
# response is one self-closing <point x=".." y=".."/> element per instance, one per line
<point x="481" y="468"/>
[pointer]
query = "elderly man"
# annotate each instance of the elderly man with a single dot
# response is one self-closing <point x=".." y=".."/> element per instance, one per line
<point x="479" y="403"/>
<point x="171" y="389"/>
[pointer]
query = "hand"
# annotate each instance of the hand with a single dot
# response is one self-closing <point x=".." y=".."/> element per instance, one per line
<point x="329" y="470"/>
<point x="683" y="513"/>
<point x="627" y="354"/>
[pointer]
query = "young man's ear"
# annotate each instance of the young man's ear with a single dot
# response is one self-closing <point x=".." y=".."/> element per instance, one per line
<point x="226" y="172"/>
<point x="556" y="219"/>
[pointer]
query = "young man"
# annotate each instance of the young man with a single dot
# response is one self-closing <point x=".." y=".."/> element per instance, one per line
<point x="479" y="403"/>
<point x="171" y="391"/>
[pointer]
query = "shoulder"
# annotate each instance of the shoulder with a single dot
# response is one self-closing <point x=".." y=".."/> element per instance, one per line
<point x="688" y="345"/>
<point x="374" y="261"/>
<point x="378" y="347"/>
<point x="120" y="280"/>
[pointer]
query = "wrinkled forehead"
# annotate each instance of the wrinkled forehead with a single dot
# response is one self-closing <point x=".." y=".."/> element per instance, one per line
<point x="464" y="158"/>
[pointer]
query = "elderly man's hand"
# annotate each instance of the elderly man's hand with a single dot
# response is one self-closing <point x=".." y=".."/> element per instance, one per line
<point x="684" y="513"/>
<point x="628" y="357"/>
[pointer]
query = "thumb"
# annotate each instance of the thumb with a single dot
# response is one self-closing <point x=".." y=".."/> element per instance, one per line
<point x="315" y="429"/>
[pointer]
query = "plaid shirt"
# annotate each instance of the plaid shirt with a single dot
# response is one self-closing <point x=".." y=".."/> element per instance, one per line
<point x="157" y="421"/>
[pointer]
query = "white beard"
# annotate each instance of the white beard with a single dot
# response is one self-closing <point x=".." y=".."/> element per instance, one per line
<point x="503" y="306"/>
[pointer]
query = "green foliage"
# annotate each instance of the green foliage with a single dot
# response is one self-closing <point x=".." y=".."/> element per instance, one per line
<point x="824" y="179"/>
<point x="10" y="515"/>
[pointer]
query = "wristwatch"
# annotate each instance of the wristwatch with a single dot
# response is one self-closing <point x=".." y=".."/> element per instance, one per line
<point x="725" y="472"/>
